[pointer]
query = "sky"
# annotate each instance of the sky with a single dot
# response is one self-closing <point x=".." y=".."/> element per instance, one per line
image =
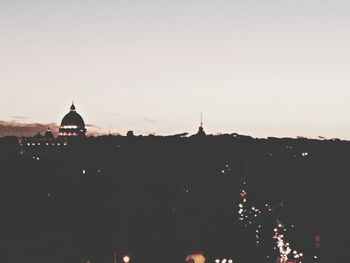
<point x="257" y="67"/>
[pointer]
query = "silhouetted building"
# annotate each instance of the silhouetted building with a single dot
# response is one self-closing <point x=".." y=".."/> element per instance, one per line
<point x="201" y="131"/>
<point x="130" y="134"/>
<point x="72" y="124"/>
<point x="49" y="135"/>
<point x="47" y="139"/>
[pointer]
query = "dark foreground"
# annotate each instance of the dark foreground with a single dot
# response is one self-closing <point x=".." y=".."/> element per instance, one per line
<point x="158" y="199"/>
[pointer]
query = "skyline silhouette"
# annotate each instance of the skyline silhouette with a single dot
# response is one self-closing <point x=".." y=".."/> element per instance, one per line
<point x="17" y="126"/>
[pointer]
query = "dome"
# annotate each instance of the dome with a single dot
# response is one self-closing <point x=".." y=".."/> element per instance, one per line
<point x="72" y="124"/>
<point x="72" y="118"/>
<point x="49" y="134"/>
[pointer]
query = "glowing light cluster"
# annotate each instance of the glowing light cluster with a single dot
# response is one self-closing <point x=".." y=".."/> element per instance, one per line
<point x="224" y="260"/>
<point x="226" y="170"/>
<point x="69" y="127"/>
<point x="283" y="246"/>
<point x="39" y="144"/>
<point x="68" y="134"/>
<point x="249" y="216"/>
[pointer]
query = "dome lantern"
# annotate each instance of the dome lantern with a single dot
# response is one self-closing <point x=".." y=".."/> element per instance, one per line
<point x="72" y="108"/>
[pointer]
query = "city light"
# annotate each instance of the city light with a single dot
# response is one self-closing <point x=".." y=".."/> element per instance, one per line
<point x="252" y="215"/>
<point x="197" y="258"/>
<point x="224" y="260"/>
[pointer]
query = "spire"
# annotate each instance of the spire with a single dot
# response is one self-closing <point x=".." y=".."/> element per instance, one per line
<point x="72" y="108"/>
<point x="201" y="131"/>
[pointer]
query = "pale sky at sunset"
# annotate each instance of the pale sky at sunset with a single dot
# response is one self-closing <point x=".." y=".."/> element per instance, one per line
<point x="263" y="68"/>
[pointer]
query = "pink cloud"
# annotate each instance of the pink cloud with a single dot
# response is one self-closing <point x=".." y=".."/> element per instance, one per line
<point x="15" y="128"/>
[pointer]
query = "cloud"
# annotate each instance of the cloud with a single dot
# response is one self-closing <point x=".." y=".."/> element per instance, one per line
<point x="15" y="128"/>
<point x="112" y="113"/>
<point x="149" y="120"/>
<point x="93" y="130"/>
<point x="19" y="117"/>
<point x="92" y="126"/>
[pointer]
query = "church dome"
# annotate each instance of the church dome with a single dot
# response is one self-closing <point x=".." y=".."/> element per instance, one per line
<point x="48" y="134"/>
<point x="72" y="124"/>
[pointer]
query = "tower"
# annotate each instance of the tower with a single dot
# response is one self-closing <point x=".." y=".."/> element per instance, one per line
<point x="201" y="131"/>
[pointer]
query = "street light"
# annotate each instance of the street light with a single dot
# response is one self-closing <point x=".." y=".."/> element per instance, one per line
<point x="126" y="259"/>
